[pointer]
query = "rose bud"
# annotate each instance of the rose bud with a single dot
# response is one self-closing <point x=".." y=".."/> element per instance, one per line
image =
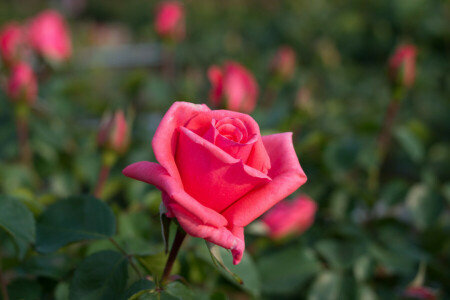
<point x="217" y="173"/>
<point x="22" y="84"/>
<point x="402" y="66"/>
<point x="420" y="293"/>
<point x="235" y="86"/>
<point x="49" y="36"/>
<point x="11" y="43"/>
<point x="169" y="22"/>
<point x="283" y="63"/>
<point x="113" y="133"/>
<point x="290" y="217"/>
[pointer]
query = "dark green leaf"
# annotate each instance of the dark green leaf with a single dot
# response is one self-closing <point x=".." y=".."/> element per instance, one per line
<point x="102" y="276"/>
<point x="142" y="285"/>
<point x="180" y="291"/>
<point x="339" y="254"/>
<point x="24" y="289"/>
<point x="332" y="286"/>
<point x="74" y="219"/>
<point x="410" y="143"/>
<point x="18" y="222"/>
<point x="53" y="265"/>
<point x="424" y="204"/>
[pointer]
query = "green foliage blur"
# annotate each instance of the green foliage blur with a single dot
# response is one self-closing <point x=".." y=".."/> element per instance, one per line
<point x="374" y="235"/>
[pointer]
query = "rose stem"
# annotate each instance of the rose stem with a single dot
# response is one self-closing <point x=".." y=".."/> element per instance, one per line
<point x="104" y="172"/>
<point x="179" y="238"/>
<point x="3" y="284"/>
<point x="128" y="256"/>
<point x="24" y="142"/>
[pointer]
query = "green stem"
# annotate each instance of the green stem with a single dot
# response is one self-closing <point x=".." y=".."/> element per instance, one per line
<point x="179" y="238"/>
<point x="128" y="256"/>
<point x="102" y="177"/>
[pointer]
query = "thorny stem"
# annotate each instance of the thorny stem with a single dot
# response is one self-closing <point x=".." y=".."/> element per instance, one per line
<point x="179" y="238"/>
<point x="102" y="177"/>
<point x="128" y="256"/>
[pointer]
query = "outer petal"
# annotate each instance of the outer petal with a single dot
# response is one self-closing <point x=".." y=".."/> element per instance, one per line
<point x="166" y="136"/>
<point x="156" y="175"/>
<point x="287" y="176"/>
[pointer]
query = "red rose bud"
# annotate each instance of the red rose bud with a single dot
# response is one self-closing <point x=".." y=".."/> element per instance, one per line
<point x="217" y="173"/>
<point x="49" y="36"/>
<point x="11" y="43"/>
<point x="283" y="63"/>
<point x="113" y="133"/>
<point x="290" y="217"/>
<point x="402" y="65"/>
<point x="22" y="84"/>
<point x="420" y="293"/>
<point x="169" y="22"/>
<point x="234" y="85"/>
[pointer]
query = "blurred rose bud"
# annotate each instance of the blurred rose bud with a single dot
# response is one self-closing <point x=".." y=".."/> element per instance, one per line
<point x="303" y="99"/>
<point x="169" y="22"/>
<point x="22" y="84"/>
<point x="419" y="293"/>
<point x="113" y="132"/>
<point x="49" y="36"/>
<point x="283" y="63"/>
<point x="290" y="217"/>
<point x="235" y="86"/>
<point x="402" y="65"/>
<point x="11" y="43"/>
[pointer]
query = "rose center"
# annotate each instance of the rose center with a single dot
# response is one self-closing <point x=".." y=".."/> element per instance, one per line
<point x="232" y="129"/>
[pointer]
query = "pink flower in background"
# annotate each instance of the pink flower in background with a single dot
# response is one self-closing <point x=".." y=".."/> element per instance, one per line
<point x="290" y="217"/>
<point x="420" y="293"/>
<point x="11" y="43"/>
<point x="217" y="173"/>
<point x="49" y="36"/>
<point x="169" y="22"/>
<point x="283" y="63"/>
<point x="113" y="132"/>
<point x="234" y="85"/>
<point x="22" y="84"/>
<point x="402" y="65"/>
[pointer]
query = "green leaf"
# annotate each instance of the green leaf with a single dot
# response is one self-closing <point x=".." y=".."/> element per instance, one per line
<point x="53" y="265"/>
<point x="24" y="289"/>
<point x="18" y="222"/>
<point x="154" y="264"/>
<point x="424" y="204"/>
<point x="74" y="219"/>
<point x="180" y="291"/>
<point x="102" y="276"/>
<point x="339" y="254"/>
<point x="332" y="286"/>
<point x="410" y="143"/>
<point x="138" y="288"/>
<point x="287" y="270"/>
<point x="62" y="291"/>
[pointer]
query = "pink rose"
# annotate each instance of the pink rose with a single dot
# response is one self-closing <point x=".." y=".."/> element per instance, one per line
<point x="217" y="173"/>
<point x="113" y="132"/>
<point x="169" y="22"/>
<point x="283" y="63"/>
<point x="234" y="85"/>
<point x="402" y="65"/>
<point x="290" y="217"/>
<point x="22" y="84"/>
<point x="49" y="36"/>
<point x="11" y="43"/>
<point x="420" y="292"/>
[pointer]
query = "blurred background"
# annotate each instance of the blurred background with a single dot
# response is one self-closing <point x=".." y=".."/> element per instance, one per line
<point x="382" y="224"/>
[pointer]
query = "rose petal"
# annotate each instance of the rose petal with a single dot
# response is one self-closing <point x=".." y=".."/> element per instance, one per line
<point x="287" y="176"/>
<point x="166" y="136"/>
<point x="211" y="175"/>
<point x="156" y="175"/>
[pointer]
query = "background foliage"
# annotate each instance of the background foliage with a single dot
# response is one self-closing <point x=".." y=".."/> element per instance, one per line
<point x="57" y="242"/>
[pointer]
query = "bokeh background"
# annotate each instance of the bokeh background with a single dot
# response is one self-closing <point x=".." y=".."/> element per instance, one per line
<point x="366" y="242"/>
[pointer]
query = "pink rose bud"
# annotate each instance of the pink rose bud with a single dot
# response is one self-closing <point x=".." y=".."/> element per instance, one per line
<point x="283" y="63"/>
<point x="11" y="43"/>
<point x="290" y="217"/>
<point x="49" y="36"/>
<point x="217" y="173"/>
<point x="402" y="65"/>
<point x="169" y="22"/>
<point x="235" y="86"/>
<point x="420" y="293"/>
<point x="22" y="84"/>
<point x="113" y="132"/>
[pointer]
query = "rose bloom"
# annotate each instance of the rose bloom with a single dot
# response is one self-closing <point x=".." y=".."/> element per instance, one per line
<point x="402" y="65"/>
<point x="49" y="36"/>
<point x="11" y="43"/>
<point x="283" y="63"/>
<point x="113" y="132"/>
<point x="420" y="292"/>
<point x="169" y="22"/>
<point x="217" y="173"/>
<point x="234" y="85"/>
<point x="290" y="217"/>
<point x="22" y="84"/>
